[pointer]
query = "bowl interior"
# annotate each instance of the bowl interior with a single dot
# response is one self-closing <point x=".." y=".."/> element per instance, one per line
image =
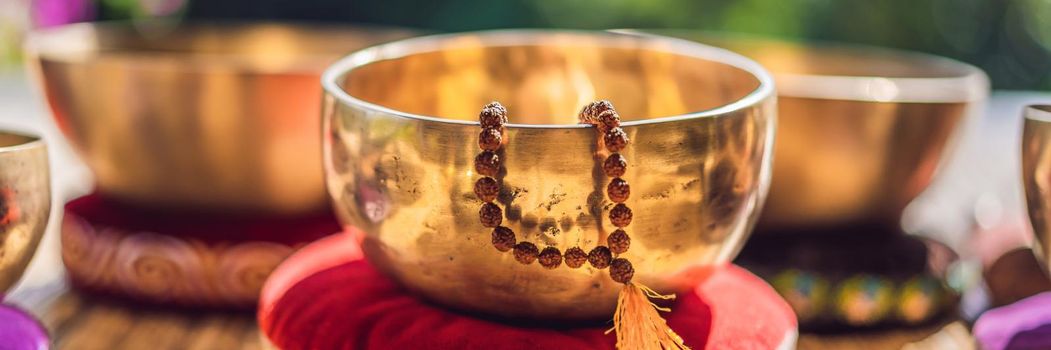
<point x="195" y="46"/>
<point x="11" y="140"/>
<point x="841" y="60"/>
<point x="548" y="82"/>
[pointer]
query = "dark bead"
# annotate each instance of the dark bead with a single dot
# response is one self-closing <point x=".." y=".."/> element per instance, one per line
<point x="503" y="238"/>
<point x="490" y="215"/>
<point x="620" y="215"/>
<point x="615" y="139"/>
<point x="589" y="114"/>
<point x="497" y="106"/>
<point x="618" y="241"/>
<point x="550" y="257"/>
<point x="600" y="257"/>
<point x="615" y="165"/>
<point x="493" y="116"/>
<point x="489" y="139"/>
<point x="486" y="189"/>
<point x="618" y="190"/>
<point x="620" y="270"/>
<point x="487" y="163"/>
<point x="575" y="257"/>
<point x="609" y="119"/>
<point x="525" y="252"/>
<point x="4" y="209"/>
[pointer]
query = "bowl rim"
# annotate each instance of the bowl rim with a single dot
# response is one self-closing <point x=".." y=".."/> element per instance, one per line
<point x="511" y="37"/>
<point x="31" y="141"/>
<point x="38" y="48"/>
<point x="1040" y="112"/>
<point x="971" y="84"/>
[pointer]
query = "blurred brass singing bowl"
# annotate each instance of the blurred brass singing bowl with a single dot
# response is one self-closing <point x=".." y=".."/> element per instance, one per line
<point x="213" y="116"/>
<point x="25" y="203"/>
<point x="1036" y="176"/>
<point x="862" y="130"/>
<point x="400" y="122"/>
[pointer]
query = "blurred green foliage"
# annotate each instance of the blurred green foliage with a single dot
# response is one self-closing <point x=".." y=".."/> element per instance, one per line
<point x="1010" y="39"/>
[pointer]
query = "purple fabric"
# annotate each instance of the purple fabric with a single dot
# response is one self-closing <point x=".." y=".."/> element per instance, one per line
<point x="49" y="13"/>
<point x="20" y="331"/>
<point x="1026" y="324"/>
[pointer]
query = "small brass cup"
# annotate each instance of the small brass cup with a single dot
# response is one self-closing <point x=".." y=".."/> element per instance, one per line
<point x="400" y="128"/>
<point x="219" y="116"/>
<point x="1036" y="176"/>
<point x="25" y="203"/>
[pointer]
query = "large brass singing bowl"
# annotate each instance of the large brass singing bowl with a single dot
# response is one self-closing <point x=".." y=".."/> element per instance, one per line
<point x="210" y="116"/>
<point x="862" y="130"/>
<point x="25" y="202"/>
<point x="401" y="136"/>
<point x="1036" y="176"/>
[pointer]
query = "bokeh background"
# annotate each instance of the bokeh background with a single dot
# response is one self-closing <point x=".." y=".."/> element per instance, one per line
<point x="1009" y="39"/>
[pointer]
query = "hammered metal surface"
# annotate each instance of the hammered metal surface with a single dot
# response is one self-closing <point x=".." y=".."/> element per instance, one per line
<point x="25" y="203"/>
<point x="1036" y="176"/>
<point x="214" y="116"/>
<point x="861" y="130"/>
<point x="698" y="180"/>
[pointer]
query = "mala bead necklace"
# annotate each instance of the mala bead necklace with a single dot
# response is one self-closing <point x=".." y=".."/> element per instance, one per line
<point x="636" y="321"/>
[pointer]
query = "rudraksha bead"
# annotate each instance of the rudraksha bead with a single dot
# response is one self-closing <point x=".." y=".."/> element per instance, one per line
<point x="615" y="139"/>
<point x="550" y="257"/>
<point x="575" y="257"/>
<point x="503" y="238"/>
<point x="600" y="257"/>
<point x="486" y="189"/>
<point x="618" y="241"/>
<point x="618" y="190"/>
<point x="615" y="165"/>
<point x="487" y="163"/>
<point x="493" y="116"/>
<point x="620" y="215"/>
<point x="525" y="252"/>
<point x="489" y="139"/>
<point x="490" y="215"/>
<point x="590" y="113"/>
<point x="620" y="270"/>
<point x="496" y="105"/>
<point x="608" y="120"/>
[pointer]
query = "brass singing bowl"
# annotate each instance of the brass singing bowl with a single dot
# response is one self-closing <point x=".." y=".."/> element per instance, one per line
<point x="862" y="130"/>
<point x="1036" y="176"/>
<point x="400" y="125"/>
<point x="25" y="203"/>
<point x="212" y="116"/>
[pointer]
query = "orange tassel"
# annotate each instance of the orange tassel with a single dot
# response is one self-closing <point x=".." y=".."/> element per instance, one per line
<point x="639" y="325"/>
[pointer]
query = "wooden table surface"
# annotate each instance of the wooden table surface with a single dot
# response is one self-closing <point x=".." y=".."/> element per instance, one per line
<point x="80" y="322"/>
<point x="90" y="323"/>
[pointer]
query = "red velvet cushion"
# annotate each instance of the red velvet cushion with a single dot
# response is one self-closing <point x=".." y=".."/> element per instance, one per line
<point x="326" y="297"/>
<point x="209" y="227"/>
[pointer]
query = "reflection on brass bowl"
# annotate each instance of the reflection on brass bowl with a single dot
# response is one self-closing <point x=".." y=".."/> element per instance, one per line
<point x="861" y="132"/>
<point x="1036" y="176"/>
<point x="197" y="115"/>
<point x="401" y="136"/>
<point x="25" y="202"/>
